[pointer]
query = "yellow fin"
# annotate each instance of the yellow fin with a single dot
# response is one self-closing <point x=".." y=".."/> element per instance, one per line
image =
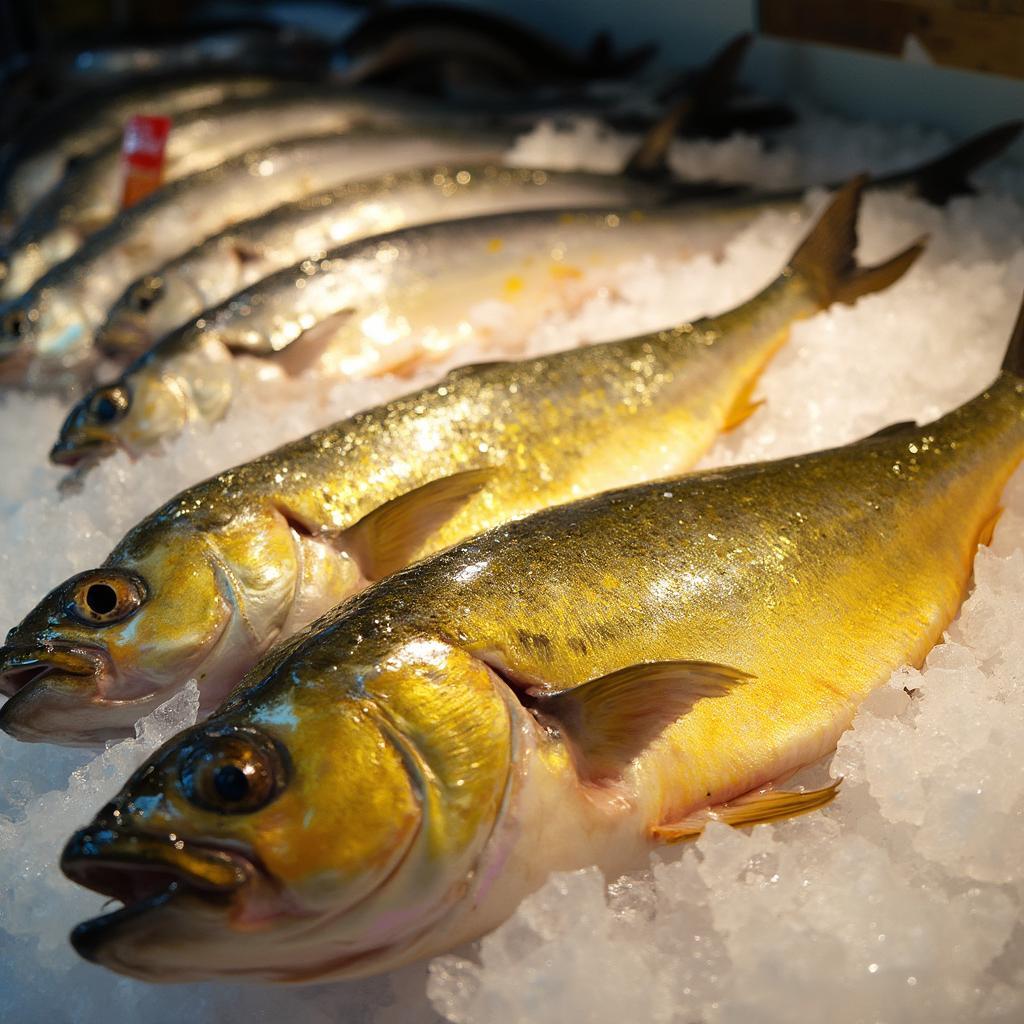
<point x="757" y="808"/>
<point x="744" y="407"/>
<point x="389" y="537"/>
<point x="613" y="719"/>
<point x="988" y="528"/>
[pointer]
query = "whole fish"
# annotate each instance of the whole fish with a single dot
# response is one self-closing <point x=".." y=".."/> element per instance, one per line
<point x="209" y="581"/>
<point x="574" y="688"/>
<point x="89" y="194"/>
<point x="247" y="252"/>
<point x="46" y="335"/>
<point x="67" y="129"/>
<point x="376" y="320"/>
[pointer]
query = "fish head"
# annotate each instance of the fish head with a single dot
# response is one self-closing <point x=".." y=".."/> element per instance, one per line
<point x="144" y="313"/>
<point x="131" y="414"/>
<point x="43" y="334"/>
<point x="171" y="604"/>
<point x="343" y="819"/>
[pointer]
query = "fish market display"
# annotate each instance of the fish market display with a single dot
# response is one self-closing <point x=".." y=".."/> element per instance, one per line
<point x="72" y="128"/>
<point x="899" y="901"/>
<point x="171" y="385"/>
<point x="46" y="335"/>
<point x="571" y="689"/>
<point x="207" y="582"/>
<point x="88" y="196"/>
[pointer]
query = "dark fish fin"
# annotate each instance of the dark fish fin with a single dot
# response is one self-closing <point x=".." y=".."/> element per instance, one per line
<point x="825" y="257"/>
<point x="939" y="180"/>
<point x="650" y="159"/>
<point x="758" y="808"/>
<point x="891" y="428"/>
<point x="389" y="537"/>
<point x="612" y="719"/>
<point x="699" y="96"/>
<point x="1013" y="361"/>
<point x="716" y="82"/>
<point x="245" y="252"/>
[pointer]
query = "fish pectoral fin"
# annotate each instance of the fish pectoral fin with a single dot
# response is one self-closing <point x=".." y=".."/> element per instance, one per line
<point x="758" y="808"/>
<point x="245" y="252"/>
<point x="389" y="537"/>
<point x="989" y="527"/>
<point x="611" y="720"/>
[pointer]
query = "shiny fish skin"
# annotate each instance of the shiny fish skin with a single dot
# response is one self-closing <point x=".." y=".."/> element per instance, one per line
<point x="375" y="306"/>
<point x="249" y="251"/>
<point x="88" y="196"/>
<point x="34" y="161"/>
<point x="415" y="780"/>
<point x="201" y="587"/>
<point x="46" y="336"/>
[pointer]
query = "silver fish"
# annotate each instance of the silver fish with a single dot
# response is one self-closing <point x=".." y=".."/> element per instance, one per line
<point x="46" y="335"/>
<point x="88" y="196"/>
<point x="67" y="129"/>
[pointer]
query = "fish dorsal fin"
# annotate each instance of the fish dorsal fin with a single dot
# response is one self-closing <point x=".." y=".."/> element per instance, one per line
<point x="757" y="808"/>
<point x="891" y="428"/>
<point x="705" y="90"/>
<point x="825" y="257"/>
<point x="1013" y="361"/>
<point x="389" y="537"/>
<point x="650" y="159"/>
<point x="947" y="176"/>
<point x="611" y="720"/>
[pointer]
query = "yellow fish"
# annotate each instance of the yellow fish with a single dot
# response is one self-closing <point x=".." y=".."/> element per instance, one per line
<point x="202" y="587"/>
<point x="570" y="689"/>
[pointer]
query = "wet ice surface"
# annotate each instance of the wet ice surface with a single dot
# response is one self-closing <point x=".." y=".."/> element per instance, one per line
<point x="900" y="902"/>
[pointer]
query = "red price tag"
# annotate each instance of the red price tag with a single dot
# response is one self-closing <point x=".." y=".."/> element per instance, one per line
<point x="142" y="156"/>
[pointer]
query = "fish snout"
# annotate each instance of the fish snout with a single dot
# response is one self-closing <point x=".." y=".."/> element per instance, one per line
<point x="124" y="334"/>
<point x="54" y="696"/>
<point x="148" y="873"/>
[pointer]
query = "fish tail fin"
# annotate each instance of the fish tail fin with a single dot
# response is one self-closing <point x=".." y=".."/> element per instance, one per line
<point x="1013" y="361"/>
<point x="941" y="179"/>
<point x="697" y="94"/>
<point x="825" y="257"/>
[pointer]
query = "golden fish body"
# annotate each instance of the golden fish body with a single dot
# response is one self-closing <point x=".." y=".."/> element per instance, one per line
<point x="568" y="689"/>
<point x="208" y="582"/>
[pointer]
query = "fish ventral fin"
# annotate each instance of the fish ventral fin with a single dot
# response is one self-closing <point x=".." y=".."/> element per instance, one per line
<point x="947" y="176"/>
<point x="1013" y="361"/>
<point x="611" y="720"/>
<point x="892" y="428"/>
<point x="758" y="808"/>
<point x="825" y="257"/>
<point x="389" y="537"/>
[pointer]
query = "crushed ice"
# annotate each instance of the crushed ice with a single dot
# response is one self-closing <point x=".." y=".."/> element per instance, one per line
<point x="900" y="902"/>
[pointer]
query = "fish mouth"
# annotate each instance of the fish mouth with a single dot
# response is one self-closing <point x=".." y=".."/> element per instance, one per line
<point x="70" y="451"/>
<point x="22" y="666"/>
<point x="146" y="873"/>
<point x="123" y="335"/>
<point x="53" y="696"/>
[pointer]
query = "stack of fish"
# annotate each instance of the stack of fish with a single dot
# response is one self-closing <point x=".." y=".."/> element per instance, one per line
<point x="484" y="631"/>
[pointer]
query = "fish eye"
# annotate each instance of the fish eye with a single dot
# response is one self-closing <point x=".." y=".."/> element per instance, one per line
<point x="100" y="599"/>
<point x="109" y="404"/>
<point x="14" y="323"/>
<point x="233" y="771"/>
<point x="145" y="293"/>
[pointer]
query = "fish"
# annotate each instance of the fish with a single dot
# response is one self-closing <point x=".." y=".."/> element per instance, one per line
<point x="88" y="196"/>
<point x="248" y="251"/>
<point x="578" y="687"/>
<point x="46" y="335"/>
<point x="404" y="311"/>
<point x="204" y="585"/>
<point x="73" y="127"/>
